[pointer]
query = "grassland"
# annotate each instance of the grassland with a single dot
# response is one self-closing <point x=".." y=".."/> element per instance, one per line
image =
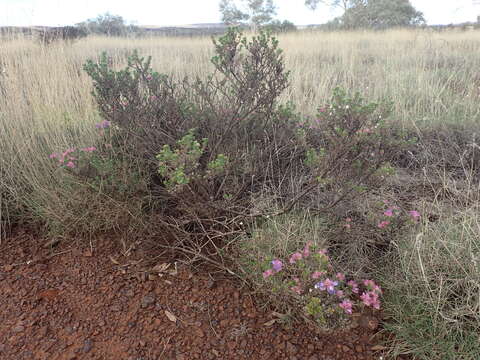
<point x="432" y="79"/>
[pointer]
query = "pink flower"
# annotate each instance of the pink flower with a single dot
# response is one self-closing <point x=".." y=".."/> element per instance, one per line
<point x="388" y="212"/>
<point x="354" y="286"/>
<point x="414" y="214"/>
<point x="268" y="273"/>
<point x="318" y="274"/>
<point x="295" y="257"/>
<point x="323" y="252"/>
<point x="371" y="286"/>
<point x="277" y="265"/>
<point x="383" y="224"/>
<point x="296" y="289"/>
<point x="103" y="125"/>
<point x="340" y="276"/>
<point x="306" y="250"/>
<point x="347" y="306"/>
<point x="371" y="299"/>
<point x="53" y="156"/>
<point x="89" y="149"/>
<point x="322" y="109"/>
<point x="70" y="164"/>
<point x="340" y="293"/>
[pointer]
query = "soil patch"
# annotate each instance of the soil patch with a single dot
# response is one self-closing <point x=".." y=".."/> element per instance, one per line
<point x="92" y="302"/>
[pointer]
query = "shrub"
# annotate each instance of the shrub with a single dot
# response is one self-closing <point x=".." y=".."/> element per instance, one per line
<point x="213" y="146"/>
<point x="433" y="291"/>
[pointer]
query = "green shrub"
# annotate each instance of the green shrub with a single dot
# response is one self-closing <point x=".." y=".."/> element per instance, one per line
<point x="212" y="147"/>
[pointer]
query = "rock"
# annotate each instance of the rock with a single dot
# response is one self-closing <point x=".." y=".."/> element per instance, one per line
<point x="147" y="300"/>
<point x="87" y="346"/>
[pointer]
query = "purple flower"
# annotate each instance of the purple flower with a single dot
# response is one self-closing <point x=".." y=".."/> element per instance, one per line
<point x="328" y="285"/>
<point x="277" y="265"/>
<point x="340" y="276"/>
<point x="103" y="125"/>
<point x="70" y="164"/>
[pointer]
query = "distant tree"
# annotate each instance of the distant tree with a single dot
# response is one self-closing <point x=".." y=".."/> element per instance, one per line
<point x="108" y="24"/>
<point x="252" y="12"/>
<point x="376" y="14"/>
<point x="277" y="26"/>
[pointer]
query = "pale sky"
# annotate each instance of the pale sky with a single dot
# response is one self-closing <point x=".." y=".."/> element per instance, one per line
<point x="181" y="12"/>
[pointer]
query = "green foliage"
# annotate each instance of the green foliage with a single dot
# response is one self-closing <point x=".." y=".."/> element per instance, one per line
<point x="371" y="14"/>
<point x="254" y="12"/>
<point x="108" y="24"/>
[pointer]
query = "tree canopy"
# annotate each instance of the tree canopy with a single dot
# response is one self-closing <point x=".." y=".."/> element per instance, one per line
<point x="376" y="14"/>
<point x="253" y="12"/>
<point x="107" y="24"/>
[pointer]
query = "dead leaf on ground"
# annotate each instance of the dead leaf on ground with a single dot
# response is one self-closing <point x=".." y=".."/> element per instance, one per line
<point x="270" y="323"/>
<point x="378" y="348"/>
<point x="170" y="316"/>
<point x="113" y="260"/>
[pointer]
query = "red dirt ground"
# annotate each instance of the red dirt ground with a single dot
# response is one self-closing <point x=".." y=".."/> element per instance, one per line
<point x="91" y="302"/>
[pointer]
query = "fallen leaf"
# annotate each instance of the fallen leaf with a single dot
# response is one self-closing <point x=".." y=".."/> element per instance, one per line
<point x="113" y="260"/>
<point x="170" y="316"/>
<point x="378" y="348"/>
<point x="168" y="282"/>
<point x="88" y="253"/>
<point x="270" y="323"/>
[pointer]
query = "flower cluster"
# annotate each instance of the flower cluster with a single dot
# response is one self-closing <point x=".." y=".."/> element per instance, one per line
<point x="67" y="157"/>
<point x="393" y="212"/>
<point x="309" y="276"/>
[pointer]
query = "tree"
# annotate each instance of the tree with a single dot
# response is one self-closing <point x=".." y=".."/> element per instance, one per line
<point x="108" y="24"/>
<point x="255" y="12"/>
<point x="343" y="4"/>
<point x="376" y="14"/>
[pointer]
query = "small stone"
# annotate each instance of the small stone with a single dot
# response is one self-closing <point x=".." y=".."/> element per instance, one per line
<point x="345" y="348"/>
<point x="18" y="329"/>
<point x="358" y="348"/>
<point x="291" y="349"/>
<point x="87" y="346"/>
<point x="147" y="300"/>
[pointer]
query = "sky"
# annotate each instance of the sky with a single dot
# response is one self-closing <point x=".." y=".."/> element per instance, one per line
<point x="182" y="12"/>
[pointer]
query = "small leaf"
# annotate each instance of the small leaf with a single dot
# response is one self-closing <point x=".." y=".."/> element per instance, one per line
<point x="170" y="316"/>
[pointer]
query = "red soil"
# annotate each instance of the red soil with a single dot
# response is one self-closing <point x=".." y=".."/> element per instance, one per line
<point x="91" y="302"/>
